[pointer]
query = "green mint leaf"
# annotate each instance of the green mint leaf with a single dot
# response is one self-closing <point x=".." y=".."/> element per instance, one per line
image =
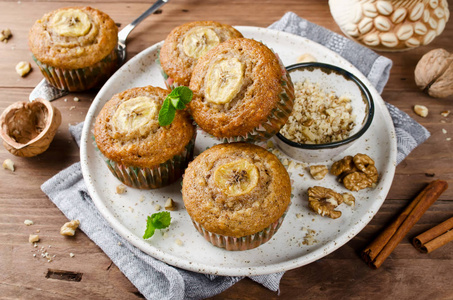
<point x="166" y="113"/>
<point x="158" y="220"/>
<point x="185" y="94"/>
<point x="177" y="103"/>
<point x="177" y="99"/>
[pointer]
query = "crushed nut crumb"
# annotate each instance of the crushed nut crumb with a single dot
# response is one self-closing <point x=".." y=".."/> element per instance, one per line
<point x="5" y="35"/>
<point x="142" y="198"/>
<point x="76" y="99"/>
<point x="71" y="254"/>
<point x="445" y="113"/>
<point x="69" y="228"/>
<point x="349" y="199"/>
<point x="23" y="68"/>
<point x="170" y="204"/>
<point x="444" y="131"/>
<point x="72" y="107"/>
<point x="179" y="242"/>
<point x="448" y="139"/>
<point x="33" y="238"/>
<point x="421" y="110"/>
<point x="157" y="207"/>
<point x="306" y="57"/>
<point x="120" y="189"/>
<point x="318" y="172"/>
<point x="28" y="222"/>
<point x="8" y="164"/>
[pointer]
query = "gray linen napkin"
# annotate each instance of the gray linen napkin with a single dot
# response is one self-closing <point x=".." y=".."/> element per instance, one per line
<point x="157" y="280"/>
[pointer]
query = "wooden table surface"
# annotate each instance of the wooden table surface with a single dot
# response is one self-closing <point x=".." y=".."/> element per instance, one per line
<point x="407" y="274"/>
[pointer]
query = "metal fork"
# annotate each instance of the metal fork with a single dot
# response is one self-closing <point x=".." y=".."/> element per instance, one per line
<point x="50" y="93"/>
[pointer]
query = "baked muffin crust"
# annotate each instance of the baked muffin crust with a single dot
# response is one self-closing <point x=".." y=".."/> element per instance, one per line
<point x="256" y="77"/>
<point x="52" y="42"/>
<point x="186" y="43"/>
<point x="146" y="144"/>
<point x="244" y="210"/>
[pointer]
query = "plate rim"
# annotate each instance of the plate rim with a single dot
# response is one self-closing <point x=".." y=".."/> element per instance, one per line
<point x="326" y="249"/>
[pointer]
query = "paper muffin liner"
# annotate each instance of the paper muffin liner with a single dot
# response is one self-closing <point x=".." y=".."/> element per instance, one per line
<point x="241" y="243"/>
<point x="153" y="178"/>
<point x="276" y="118"/>
<point x="76" y="80"/>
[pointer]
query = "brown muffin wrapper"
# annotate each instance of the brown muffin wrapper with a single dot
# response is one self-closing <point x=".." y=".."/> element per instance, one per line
<point x="153" y="178"/>
<point x="76" y="80"/>
<point x="241" y="243"/>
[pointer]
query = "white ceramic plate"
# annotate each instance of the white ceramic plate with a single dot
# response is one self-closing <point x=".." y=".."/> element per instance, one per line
<point x="127" y="212"/>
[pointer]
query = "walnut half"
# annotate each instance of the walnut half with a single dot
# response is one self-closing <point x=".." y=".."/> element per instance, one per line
<point x="356" y="173"/>
<point x="323" y="201"/>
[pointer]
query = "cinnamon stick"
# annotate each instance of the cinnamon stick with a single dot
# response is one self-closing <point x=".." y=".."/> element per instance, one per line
<point x="378" y="251"/>
<point x="435" y="237"/>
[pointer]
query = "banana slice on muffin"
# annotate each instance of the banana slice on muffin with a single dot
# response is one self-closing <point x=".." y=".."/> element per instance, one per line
<point x="71" y="22"/>
<point x="224" y="80"/>
<point x="236" y="178"/>
<point x="186" y="44"/>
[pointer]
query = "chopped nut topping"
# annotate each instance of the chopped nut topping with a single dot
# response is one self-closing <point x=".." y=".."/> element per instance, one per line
<point x="318" y="172"/>
<point x="157" y="207"/>
<point x="170" y="204"/>
<point x="69" y="228"/>
<point x="33" y="238"/>
<point x="71" y="254"/>
<point x="5" y="35"/>
<point x="28" y="222"/>
<point x="179" y="242"/>
<point x="421" y="110"/>
<point x="323" y="201"/>
<point x="120" y="189"/>
<point x="8" y="164"/>
<point x="76" y="99"/>
<point x="349" y="199"/>
<point x="23" y="68"/>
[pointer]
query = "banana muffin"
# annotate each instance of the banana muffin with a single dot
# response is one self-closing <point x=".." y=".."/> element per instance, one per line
<point x="242" y="92"/>
<point x="237" y="195"/>
<point x="188" y="42"/>
<point x="75" y="47"/>
<point x="137" y="150"/>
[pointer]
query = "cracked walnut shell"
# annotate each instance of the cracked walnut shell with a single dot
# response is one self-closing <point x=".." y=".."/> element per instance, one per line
<point x="323" y="201"/>
<point x="28" y="128"/>
<point x="434" y="73"/>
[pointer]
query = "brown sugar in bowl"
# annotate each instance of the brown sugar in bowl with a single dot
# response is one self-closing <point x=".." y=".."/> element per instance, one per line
<point x="28" y="128"/>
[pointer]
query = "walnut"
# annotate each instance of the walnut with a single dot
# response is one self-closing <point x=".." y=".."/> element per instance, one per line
<point x="324" y="201"/>
<point x="356" y="172"/>
<point x="8" y="164"/>
<point x="28" y="128"/>
<point x="170" y="204"/>
<point x="23" y="68"/>
<point x="434" y="73"/>
<point x="349" y="199"/>
<point x="69" y="228"/>
<point x="318" y="172"/>
<point x="33" y="238"/>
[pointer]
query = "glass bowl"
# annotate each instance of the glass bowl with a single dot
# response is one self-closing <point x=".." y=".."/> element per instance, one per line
<point x="342" y="83"/>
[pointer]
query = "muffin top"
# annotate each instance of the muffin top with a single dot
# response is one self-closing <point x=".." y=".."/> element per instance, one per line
<point x="127" y="129"/>
<point x="236" y="86"/>
<point x="236" y="189"/>
<point x="188" y="42"/>
<point x="73" y="37"/>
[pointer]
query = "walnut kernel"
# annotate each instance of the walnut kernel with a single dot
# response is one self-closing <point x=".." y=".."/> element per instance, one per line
<point x="69" y="228"/>
<point x="421" y="110"/>
<point x="318" y="172"/>
<point x="28" y="222"/>
<point x="5" y="35"/>
<point x="120" y="189"/>
<point x="23" y="68"/>
<point x="323" y="201"/>
<point x="349" y="199"/>
<point x="356" y="172"/>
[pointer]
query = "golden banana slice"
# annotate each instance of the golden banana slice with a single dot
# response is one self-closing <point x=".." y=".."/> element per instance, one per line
<point x="71" y="22"/>
<point x="224" y="80"/>
<point x="199" y="40"/>
<point x="236" y="178"/>
<point x="137" y="116"/>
